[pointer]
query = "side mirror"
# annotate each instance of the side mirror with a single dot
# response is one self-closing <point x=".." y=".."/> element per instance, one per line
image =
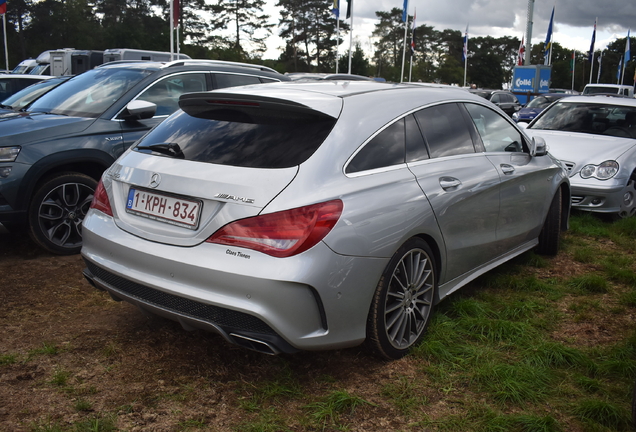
<point x="138" y="110"/>
<point x="538" y="147"/>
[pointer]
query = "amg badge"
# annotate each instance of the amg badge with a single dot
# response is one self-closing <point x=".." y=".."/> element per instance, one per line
<point x="234" y="198"/>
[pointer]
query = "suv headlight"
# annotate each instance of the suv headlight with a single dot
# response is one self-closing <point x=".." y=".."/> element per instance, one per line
<point x="604" y="171"/>
<point x="8" y="154"/>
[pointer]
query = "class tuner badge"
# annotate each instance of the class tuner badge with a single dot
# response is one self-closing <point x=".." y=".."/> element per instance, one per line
<point x="234" y="198"/>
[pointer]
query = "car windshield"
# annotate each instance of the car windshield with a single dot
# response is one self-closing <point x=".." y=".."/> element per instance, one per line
<point x="539" y="102"/>
<point x="592" y="118"/>
<point x="89" y="94"/>
<point x="25" y="96"/>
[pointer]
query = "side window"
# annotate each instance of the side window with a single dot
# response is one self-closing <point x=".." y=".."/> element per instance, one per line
<point x="445" y="131"/>
<point x="415" y="147"/>
<point x="385" y="149"/>
<point x="165" y="92"/>
<point x="496" y="133"/>
<point x="230" y="80"/>
<point x="496" y="98"/>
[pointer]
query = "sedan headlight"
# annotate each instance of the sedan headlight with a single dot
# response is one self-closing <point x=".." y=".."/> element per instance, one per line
<point x="8" y="154"/>
<point x="604" y="171"/>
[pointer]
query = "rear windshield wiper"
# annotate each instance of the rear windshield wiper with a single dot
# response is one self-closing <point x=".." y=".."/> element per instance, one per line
<point x="167" y="149"/>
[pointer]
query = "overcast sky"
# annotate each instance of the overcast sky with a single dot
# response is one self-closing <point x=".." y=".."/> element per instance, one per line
<point x="574" y="19"/>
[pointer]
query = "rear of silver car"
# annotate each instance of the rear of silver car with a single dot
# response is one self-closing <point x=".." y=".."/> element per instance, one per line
<point x="259" y="229"/>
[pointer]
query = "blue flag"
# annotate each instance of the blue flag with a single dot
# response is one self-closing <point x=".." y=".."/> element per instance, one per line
<point x="336" y="8"/>
<point x="548" y="40"/>
<point x="627" y="52"/>
<point x="404" y="10"/>
<point x="465" y="49"/>
<point x="591" y="53"/>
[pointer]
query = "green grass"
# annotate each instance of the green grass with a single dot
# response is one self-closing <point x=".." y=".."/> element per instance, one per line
<point x="589" y="283"/>
<point x="46" y="349"/>
<point x="328" y="410"/>
<point x="604" y="413"/>
<point x="7" y="359"/>
<point x="60" y="377"/>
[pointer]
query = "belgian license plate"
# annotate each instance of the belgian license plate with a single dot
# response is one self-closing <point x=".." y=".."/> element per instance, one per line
<point x="164" y="208"/>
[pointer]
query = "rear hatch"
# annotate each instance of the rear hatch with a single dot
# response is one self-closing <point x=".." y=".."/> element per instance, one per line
<point x="223" y="158"/>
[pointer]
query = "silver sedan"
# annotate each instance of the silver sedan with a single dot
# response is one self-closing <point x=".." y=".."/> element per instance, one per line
<point x="312" y="216"/>
<point x="595" y="137"/>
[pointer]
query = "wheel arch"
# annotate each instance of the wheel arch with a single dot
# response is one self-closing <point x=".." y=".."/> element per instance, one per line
<point x="566" y="200"/>
<point x="88" y="162"/>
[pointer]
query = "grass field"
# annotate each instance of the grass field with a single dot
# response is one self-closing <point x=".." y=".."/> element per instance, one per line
<point x="537" y="345"/>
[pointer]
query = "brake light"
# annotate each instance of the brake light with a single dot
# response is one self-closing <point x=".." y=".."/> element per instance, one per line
<point x="100" y="200"/>
<point x="282" y="234"/>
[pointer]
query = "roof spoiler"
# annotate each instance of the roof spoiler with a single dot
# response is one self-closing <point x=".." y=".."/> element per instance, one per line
<point x="216" y="106"/>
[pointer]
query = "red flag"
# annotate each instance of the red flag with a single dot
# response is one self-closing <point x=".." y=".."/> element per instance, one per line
<point x="522" y="50"/>
<point x="175" y="13"/>
<point x="3" y="7"/>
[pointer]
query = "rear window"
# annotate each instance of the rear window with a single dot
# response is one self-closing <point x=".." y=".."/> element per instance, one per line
<point x="236" y="138"/>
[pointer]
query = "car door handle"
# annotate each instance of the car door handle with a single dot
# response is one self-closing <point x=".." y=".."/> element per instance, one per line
<point x="507" y="169"/>
<point x="449" y="183"/>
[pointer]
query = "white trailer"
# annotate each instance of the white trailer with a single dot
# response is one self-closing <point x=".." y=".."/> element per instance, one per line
<point x="118" y="54"/>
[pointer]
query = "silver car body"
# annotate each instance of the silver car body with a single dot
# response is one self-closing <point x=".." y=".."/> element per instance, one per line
<point x="476" y="211"/>
<point x="579" y="149"/>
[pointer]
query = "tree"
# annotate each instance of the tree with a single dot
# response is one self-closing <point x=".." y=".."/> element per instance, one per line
<point x="359" y="64"/>
<point x="247" y="19"/>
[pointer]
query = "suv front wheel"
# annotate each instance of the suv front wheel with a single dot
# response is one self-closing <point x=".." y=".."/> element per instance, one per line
<point x="57" y="211"/>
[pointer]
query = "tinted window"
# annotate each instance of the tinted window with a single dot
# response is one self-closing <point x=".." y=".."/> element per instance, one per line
<point x="229" y="80"/>
<point x="495" y="98"/>
<point x="445" y="131"/>
<point x="415" y="148"/>
<point x="233" y="137"/>
<point x="385" y="149"/>
<point x="496" y="133"/>
<point x="165" y="92"/>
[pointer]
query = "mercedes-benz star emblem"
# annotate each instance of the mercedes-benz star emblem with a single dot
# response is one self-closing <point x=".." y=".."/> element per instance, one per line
<point x="155" y="180"/>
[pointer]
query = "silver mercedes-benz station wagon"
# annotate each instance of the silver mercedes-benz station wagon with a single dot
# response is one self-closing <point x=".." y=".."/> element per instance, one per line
<point x="307" y="216"/>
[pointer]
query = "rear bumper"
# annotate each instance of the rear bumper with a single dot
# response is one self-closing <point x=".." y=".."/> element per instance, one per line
<point x="315" y="300"/>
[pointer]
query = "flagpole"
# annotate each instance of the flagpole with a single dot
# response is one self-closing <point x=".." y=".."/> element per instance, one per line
<point x="404" y="50"/>
<point x="411" y="67"/>
<point x="625" y="57"/>
<point x="170" y="21"/>
<point x="573" y="67"/>
<point x="6" y="51"/>
<point x="337" y="36"/>
<point x="465" y="50"/>
<point x="351" y="35"/>
<point x="592" y="49"/>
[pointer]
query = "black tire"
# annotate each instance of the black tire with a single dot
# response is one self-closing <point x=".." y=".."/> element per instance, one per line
<point x="628" y="203"/>
<point x="57" y="211"/>
<point x="551" y="232"/>
<point x="409" y="298"/>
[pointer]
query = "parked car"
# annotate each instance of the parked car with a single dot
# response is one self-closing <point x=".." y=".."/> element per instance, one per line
<point x="504" y="99"/>
<point x="298" y="216"/>
<point x="306" y="76"/>
<point x="595" y="136"/>
<point x="21" y="99"/>
<point x="614" y="89"/>
<point x="528" y="112"/>
<point x="52" y="156"/>
<point x="13" y="83"/>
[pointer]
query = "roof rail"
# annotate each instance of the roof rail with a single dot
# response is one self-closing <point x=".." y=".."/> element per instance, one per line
<point x="218" y="62"/>
<point x="125" y="61"/>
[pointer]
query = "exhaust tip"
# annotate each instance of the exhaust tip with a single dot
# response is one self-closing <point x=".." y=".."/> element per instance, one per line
<point x="254" y="344"/>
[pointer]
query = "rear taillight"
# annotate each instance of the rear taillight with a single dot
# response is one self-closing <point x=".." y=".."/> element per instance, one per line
<point x="100" y="200"/>
<point x="282" y="234"/>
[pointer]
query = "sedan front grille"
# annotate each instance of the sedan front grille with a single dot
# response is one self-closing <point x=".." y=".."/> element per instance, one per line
<point x="577" y="199"/>
<point x="225" y="318"/>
